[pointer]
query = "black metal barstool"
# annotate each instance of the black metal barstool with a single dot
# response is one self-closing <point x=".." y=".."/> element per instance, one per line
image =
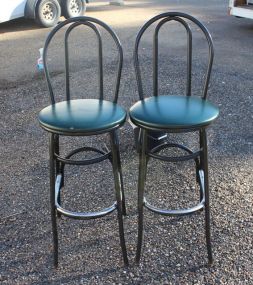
<point x="83" y="117"/>
<point x="173" y="114"/>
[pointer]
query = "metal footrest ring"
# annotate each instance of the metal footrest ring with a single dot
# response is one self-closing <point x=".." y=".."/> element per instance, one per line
<point x="67" y="160"/>
<point x="79" y="215"/>
<point x="180" y="212"/>
<point x="191" y="155"/>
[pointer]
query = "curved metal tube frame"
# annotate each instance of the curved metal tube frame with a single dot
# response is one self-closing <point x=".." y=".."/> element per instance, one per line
<point x="78" y="215"/>
<point x="100" y="57"/>
<point x="189" y="53"/>
<point x="192" y="155"/>
<point x="169" y="16"/>
<point x="200" y="158"/>
<point x="59" y="179"/>
<point x="57" y="163"/>
<point x="90" y="22"/>
<point x="66" y="160"/>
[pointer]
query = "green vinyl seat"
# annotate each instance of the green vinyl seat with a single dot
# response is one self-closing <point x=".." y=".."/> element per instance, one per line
<point x="173" y="112"/>
<point x="82" y="116"/>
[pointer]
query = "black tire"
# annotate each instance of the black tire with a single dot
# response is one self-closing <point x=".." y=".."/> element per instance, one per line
<point x="47" y="13"/>
<point x="73" y="8"/>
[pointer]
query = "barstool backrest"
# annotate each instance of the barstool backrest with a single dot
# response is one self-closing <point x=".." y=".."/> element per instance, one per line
<point x="161" y="20"/>
<point x="95" y="25"/>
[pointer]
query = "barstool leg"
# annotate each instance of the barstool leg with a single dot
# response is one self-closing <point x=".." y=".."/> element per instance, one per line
<point x="122" y="191"/>
<point x="57" y="150"/>
<point x="120" y="175"/>
<point x="207" y="207"/>
<point x="52" y="197"/>
<point x="141" y="183"/>
<point x="57" y="166"/>
<point x="201" y="164"/>
<point x="119" y="194"/>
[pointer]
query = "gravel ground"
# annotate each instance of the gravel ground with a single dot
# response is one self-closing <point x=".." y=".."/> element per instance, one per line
<point x="174" y="248"/>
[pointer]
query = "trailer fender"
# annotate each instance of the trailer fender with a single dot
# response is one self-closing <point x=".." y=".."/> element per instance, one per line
<point x="30" y="8"/>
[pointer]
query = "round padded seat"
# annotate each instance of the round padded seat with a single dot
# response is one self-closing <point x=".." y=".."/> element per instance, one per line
<point x="82" y="116"/>
<point x="173" y="112"/>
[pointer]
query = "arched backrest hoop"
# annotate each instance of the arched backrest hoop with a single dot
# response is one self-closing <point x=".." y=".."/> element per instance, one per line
<point x="91" y="23"/>
<point x="179" y="17"/>
<point x="100" y="57"/>
<point x="155" y="53"/>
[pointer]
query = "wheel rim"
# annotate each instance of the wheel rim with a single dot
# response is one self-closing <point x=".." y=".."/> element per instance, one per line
<point x="49" y="11"/>
<point x="75" y="7"/>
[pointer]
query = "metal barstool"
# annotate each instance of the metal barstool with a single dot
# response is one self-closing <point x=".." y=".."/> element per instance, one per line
<point x="83" y="117"/>
<point x="173" y="114"/>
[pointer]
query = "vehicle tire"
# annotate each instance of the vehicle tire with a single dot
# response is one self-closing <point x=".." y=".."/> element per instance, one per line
<point x="47" y="12"/>
<point x="73" y="8"/>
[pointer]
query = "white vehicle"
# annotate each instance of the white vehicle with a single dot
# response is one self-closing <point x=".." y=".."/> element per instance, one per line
<point x="45" y="12"/>
<point x="241" y="8"/>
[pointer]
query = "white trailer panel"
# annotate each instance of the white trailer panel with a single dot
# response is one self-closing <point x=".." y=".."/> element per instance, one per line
<point x="241" y="8"/>
<point x="11" y="9"/>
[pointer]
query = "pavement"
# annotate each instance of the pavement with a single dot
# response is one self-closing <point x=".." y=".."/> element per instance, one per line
<point x="174" y="249"/>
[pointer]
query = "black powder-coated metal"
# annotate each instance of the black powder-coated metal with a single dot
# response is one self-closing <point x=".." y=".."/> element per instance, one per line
<point x="57" y="162"/>
<point x="192" y="155"/>
<point x="52" y="163"/>
<point x="90" y="22"/>
<point x="199" y="156"/>
<point x="100" y="57"/>
<point x="168" y="16"/>
<point x="204" y="162"/>
<point x="119" y="191"/>
<point x="189" y="53"/>
<point x="143" y="161"/>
